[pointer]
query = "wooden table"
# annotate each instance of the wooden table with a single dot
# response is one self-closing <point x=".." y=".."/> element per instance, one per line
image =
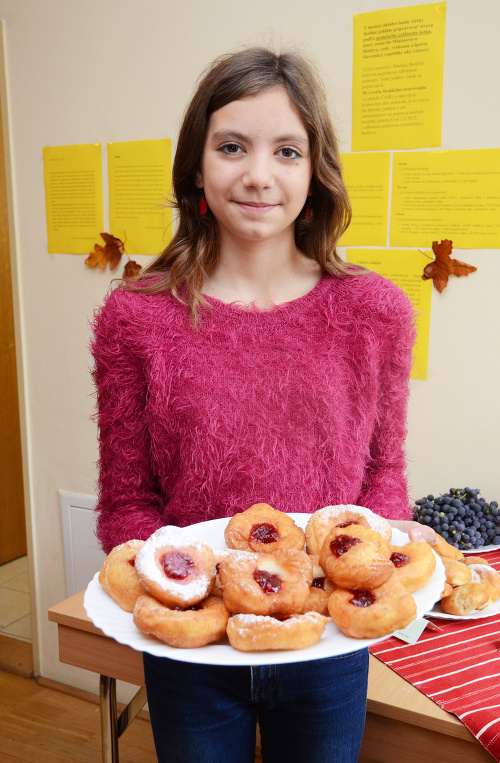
<point x="401" y="725"/>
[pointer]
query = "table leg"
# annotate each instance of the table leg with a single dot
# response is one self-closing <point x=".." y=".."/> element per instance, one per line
<point x="109" y="729"/>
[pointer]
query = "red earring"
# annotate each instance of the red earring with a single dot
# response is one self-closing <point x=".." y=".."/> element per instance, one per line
<point x="309" y="214"/>
<point x="202" y="205"/>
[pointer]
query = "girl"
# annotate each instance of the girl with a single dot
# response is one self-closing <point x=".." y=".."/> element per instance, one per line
<point x="248" y="363"/>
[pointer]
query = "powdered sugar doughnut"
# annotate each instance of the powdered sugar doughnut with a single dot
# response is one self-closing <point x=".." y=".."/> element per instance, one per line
<point x="189" y="628"/>
<point x="175" y="568"/>
<point x="266" y="584"/>
<point x="490" y="578"/>
<point x="220" y="554"/>
<point x="118" y="577"/>
<point x="356" y="557"/>
<point x="324" y="520"/>
<point x="256" y="633"/>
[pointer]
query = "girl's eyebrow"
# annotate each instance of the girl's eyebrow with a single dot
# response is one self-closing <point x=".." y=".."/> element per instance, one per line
<point x="235" y="135"/>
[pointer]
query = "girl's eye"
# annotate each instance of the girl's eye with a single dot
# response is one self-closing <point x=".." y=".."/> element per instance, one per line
<point x="289" y="153"/>
<point x="230" y="148"/>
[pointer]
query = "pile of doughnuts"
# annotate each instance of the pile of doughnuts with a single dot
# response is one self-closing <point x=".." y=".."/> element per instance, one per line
<point x="471" y="582"/>
<point x="274" y="586"/>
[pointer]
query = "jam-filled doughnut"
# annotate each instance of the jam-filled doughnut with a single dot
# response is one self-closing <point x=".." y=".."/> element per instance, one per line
<point x="175" y="568"/>
<point x="118" y="577"/>
<point x="263" y="529"/>
<point x="196" y="626"/>
<point x="324" y="520"/>
<point x="414" y="564"/>
<point x="319" y="592"/>
<point x="445" y="549"/>
<point x="457" y="573"/>
<point x="255" y="633"/>
<point x="266" y="584"/>
<point x="464" y="599"/>
<point x="374" y="613"/>
<point x="355" y="557"/>
<point x="490" y="578"/>
<point x="220" y="554"/>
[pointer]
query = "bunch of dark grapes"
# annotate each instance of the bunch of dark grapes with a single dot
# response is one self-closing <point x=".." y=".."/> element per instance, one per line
<point x="461" y="517"/>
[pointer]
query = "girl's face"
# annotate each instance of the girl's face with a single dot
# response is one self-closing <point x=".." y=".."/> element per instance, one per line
<point x="256" y="167"/>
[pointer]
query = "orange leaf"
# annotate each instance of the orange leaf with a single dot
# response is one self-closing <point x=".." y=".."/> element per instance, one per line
<point x="444" y="265"/>
<point x="131" y="269"/>
<point x="110" y="253"/>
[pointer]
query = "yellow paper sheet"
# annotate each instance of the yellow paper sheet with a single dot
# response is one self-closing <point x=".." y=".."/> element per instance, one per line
<point x="140" y="178"/>
<point x="73" y="197"/>
<point x="405" y="268"/>
<point x="446" y="194"/>
<point x="367" y="179"/>
<point x="397" y="87"/>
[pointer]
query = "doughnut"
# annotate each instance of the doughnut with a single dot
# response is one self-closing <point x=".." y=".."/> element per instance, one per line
<point x="118" y="577"/>
<point x="263" y="529"/>
<point x="446" y="590"/>
<point x="374" y="613"/>
<point x="356" y="557"/>
<point x="464" y="599"/>
<point x="266" y="584"/>
<point x="175" y="568"/>
<point x="188" y="628"/>
<point x="445" y="549"/>
<point x="456" y="573"/>
<point x="324" y="520"/>
<point x="319" y="591"/>
<point x="469" y="560"/>
<point x="254" y="633"/>
<point x="220" y="554"/>
<point x="490" y="579"/>
<point x="413" y="564"/>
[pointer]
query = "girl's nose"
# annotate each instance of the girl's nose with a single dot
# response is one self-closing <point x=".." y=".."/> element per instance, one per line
<point x="258" y="172"/>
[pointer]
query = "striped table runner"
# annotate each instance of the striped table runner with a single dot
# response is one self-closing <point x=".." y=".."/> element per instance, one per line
<point x="458" y="668"/>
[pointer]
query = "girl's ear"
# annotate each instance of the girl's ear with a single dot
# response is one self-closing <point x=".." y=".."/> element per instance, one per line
<point x="198" y="179"/>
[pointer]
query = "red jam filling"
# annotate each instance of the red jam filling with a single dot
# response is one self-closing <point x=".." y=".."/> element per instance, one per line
<point x="363" y="598"/>
<point x="269" y="582"/>
<point x="176" y="565"/>
<point x="318" y="583"/>
<point x="195" y="607"/>
<point x="348" y="523"/>
<point x="343" y="543"/>
<point x="264" y="533"/>
<point x="400" y="560"/>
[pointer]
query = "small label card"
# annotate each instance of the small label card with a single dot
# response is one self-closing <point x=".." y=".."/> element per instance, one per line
<point x="413" y="631"/>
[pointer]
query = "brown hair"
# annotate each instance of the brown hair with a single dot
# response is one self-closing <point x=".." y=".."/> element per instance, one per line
<point x="192" y="254"/>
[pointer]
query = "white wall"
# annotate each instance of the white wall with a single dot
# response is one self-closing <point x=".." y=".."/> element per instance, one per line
<point x="83" y="71"/>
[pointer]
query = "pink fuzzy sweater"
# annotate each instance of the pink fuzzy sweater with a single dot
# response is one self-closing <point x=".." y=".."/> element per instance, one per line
<point x="301" y="406"/>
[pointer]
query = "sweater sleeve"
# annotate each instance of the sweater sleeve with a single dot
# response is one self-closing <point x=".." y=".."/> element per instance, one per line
<point x="384" y="488"/>
<point x="129" y="504"/>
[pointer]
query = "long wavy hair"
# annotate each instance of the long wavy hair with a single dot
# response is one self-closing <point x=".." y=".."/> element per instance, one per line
<point x="192" y="254"/>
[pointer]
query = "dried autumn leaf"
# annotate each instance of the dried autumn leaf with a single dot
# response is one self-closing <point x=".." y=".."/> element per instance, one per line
<point x="110" y="253"/>
<point x="444" y="265"/>
<point x="131" y="269"/>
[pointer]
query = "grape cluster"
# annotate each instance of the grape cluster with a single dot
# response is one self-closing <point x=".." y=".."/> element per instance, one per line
<point x="461" y="517"/>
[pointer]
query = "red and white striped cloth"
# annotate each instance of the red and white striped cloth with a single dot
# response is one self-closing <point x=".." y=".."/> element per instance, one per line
<point x="458" y="668"/>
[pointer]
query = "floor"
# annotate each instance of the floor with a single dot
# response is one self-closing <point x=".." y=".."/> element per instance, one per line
<point x="15" y="617"/>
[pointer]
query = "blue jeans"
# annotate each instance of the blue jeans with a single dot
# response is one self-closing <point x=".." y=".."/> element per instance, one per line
<point x="308" y="712"/>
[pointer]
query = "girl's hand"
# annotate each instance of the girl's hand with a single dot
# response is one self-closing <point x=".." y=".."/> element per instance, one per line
<point x="417" y="532"/>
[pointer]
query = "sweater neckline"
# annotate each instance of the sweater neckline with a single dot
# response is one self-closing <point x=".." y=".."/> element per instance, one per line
<point x="232" y="309"/>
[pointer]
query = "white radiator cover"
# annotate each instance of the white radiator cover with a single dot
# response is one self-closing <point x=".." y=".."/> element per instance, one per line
<point x="82" y="555"/>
